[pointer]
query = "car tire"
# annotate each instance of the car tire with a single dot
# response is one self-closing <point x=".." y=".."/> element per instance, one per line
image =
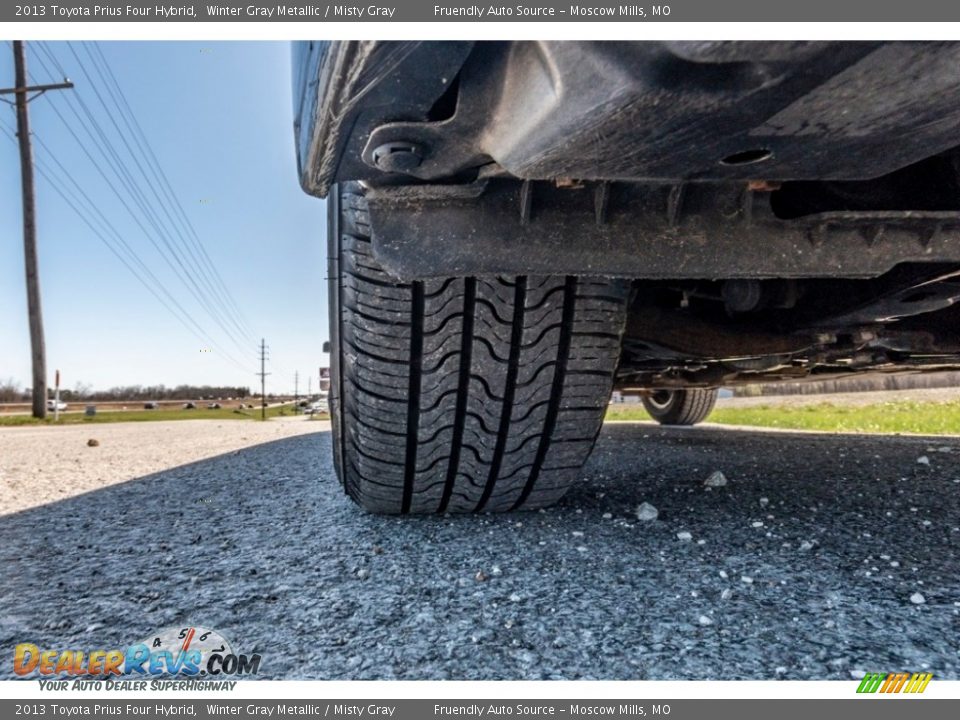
<point x="681" y="407"/>
<point x="462" y="394"/>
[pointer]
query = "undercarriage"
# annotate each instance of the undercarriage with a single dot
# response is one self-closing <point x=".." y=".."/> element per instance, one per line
<point x="522" y="228"/>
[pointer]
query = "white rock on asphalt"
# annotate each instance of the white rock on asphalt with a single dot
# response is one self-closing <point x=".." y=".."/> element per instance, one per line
<point x="923" y="460"/>
<point x="764" y="502"/>
<point x="684" y="536"/>
<point x="716" y="479"/>
<point x="917" y="598"/>
<point x="646" y="511"/>
<point x="705" y="620"/>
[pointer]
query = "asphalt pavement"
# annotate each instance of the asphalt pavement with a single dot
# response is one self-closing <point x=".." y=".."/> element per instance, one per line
<point x="821" y="557"/>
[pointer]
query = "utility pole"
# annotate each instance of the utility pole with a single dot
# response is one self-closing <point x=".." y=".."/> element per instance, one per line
<point x="263" y="379"/>
<point x="296" y="392"/>
<point x="38" y="354"/>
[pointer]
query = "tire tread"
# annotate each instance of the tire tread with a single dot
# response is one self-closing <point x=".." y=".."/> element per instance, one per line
<point x="465" y="394"/>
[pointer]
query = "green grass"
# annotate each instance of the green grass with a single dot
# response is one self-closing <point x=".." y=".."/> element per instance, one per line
<point x="201" y="413"/>
<point x="930" y="418"/>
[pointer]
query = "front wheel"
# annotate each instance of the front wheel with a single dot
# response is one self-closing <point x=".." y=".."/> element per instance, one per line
<point x="463" y="394"/>
<point x="681" y="407"/>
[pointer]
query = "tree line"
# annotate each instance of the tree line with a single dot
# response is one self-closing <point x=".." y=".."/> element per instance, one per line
<point x="853" y="383"/>
<point x="12" y="391"/>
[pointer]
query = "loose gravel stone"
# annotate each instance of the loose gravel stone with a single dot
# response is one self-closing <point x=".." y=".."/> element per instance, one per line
<point x="647" y="512"/>
<point x="716" y="479"/>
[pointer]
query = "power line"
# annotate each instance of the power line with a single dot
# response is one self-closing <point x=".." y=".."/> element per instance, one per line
<point x="185" y="246"/>
<point x="155" y="165"/>
<point x="70" y="197"/>
<point x="124" y="175"/>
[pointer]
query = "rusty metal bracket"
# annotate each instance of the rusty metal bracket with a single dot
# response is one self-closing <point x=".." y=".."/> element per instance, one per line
<point x="498" y="227"/>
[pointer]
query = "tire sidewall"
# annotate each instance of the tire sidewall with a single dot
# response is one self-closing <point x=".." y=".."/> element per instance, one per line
<point x="335" y="288"/>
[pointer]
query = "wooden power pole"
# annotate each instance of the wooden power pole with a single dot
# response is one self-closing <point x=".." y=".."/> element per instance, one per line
<point x="37" y="348"/>
<point x="263" y="379"/>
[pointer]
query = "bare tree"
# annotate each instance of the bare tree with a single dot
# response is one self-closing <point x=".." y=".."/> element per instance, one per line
<point x="10" y="390"/>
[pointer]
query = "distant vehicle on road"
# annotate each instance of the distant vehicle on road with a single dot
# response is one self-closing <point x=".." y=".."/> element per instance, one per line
<point x="213" y="406"/>
<point x="54" y="405"/>
<point x="318" y="406"/>
<point x="152" y="405"/>
<point x="189" y="406"/>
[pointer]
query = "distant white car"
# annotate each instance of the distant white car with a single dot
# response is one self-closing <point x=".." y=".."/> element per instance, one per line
<point x="319" y="406"/>
<point x="54" y="405"/>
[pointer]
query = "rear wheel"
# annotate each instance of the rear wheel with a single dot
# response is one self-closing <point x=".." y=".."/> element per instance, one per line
<point x="463" y="394"/>
<point x="681" y="407"/>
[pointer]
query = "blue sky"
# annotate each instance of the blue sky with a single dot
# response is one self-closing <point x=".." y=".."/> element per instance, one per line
<point x="218" y="117"/>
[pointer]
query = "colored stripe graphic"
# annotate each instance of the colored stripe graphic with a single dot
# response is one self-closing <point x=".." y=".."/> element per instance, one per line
<point x="870" y="683"/>
<point x="894" y="683"/>
<point x="898" y="682"/>
<point x="918" y="683"/>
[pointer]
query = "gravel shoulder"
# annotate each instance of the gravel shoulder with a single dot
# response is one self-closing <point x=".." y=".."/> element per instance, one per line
<point x="821" y="557"/>
<point x="39" y="465"/>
